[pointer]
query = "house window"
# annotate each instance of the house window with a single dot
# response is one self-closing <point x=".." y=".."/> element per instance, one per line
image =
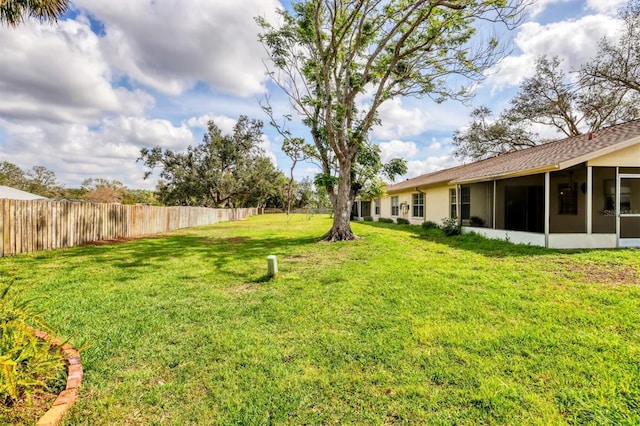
<point x="453" y="204"/>
<point x="377" y="206"/>
<point x="418" y="205"/>
<point x="567" y="198"/>
<point x="465" y="202"/>
<point x="395" y="205"/>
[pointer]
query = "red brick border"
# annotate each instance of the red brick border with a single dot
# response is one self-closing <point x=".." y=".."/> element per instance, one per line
<point x="67" y="397"/>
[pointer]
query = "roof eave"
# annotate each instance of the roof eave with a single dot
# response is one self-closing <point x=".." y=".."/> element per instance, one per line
<point x="509" y="175"/>
<point x="417" y="187"/>
<point x="520" y="173"/>
<point x="599" y="153"/>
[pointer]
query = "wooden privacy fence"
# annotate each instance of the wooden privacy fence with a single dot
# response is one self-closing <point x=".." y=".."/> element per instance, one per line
<point x="29" y="226"/>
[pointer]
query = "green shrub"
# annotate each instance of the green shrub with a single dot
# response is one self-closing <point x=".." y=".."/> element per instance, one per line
<point x="368" y="218"/>
<point x="450" y="226"/>
<point x="402" y="221"/>
<point x="429" y="224"/>
<point x="28" y="364"/>
<point x="385" y="220"/>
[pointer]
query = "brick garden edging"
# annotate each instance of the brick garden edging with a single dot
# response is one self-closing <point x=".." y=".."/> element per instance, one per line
<point x="67" y="397"/>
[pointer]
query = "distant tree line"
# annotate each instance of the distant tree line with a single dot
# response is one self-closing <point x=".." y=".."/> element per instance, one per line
<point x="602" y="92"/>
<point x="228" y="170"/>
<point x="225" y="170"/>
<point x="37" y="180"/>
<point x="41" y="181"/>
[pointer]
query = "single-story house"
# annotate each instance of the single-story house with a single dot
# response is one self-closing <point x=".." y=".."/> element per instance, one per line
<point x="16" y="194"/>
<point x="579" y="192"/>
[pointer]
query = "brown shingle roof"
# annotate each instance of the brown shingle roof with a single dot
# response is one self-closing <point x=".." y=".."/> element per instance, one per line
<point x="553" y="155"/>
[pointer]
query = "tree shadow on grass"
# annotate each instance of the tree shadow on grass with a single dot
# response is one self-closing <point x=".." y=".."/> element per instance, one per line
<point x="474" y="242"/>
<point x="218" y="253"/>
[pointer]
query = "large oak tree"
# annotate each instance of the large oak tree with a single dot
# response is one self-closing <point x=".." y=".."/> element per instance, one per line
<point x="339" y="60"/>
<point x="226" y="170"/>
<point x="617" y="62"/>
<point x="570" y="103"/>
<point x="487" y="136"/>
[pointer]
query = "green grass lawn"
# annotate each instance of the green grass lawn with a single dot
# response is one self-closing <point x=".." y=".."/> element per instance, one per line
<point x="400" y="327"/>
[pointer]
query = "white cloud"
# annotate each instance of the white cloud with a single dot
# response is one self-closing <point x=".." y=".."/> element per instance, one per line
<point x="574" y="41"/>
<point x="429" y="165"/>
<point x="397" y="149"/>
<point x="608" y="6"/>
<point x="539" y="6"/>
<point x="141" y="132"/>
<point x="75" y="152"/>
<point x="170" y="45"/>
<point x="225" y="123"/>
<point x="268" y="151"/>
<point x="309" y="171"/>
<point x="398" y="122"/>
<point x="57" y="73"/>
<point x="412" y="117"/>
<point x="134" y="102"/>
<point x="76" y="101"/>
<point x="436" y="156"/>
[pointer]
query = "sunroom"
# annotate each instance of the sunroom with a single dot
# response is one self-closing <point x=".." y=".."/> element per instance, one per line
<point x="579" y="192"/>
<point x="584" y="206"/>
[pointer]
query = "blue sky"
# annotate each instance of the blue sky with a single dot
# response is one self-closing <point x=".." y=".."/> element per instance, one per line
<point x="83" y="96"/>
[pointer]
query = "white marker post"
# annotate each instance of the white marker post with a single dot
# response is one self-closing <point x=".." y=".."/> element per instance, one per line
<point x="272" y="266"/>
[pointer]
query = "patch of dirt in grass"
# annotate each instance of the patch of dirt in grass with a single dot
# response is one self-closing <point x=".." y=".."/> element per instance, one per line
<point x="297" y="258"/>
<point x="236" y="240"/>
<point x="231" y="240"/>
<point x="242" y="289"/>
<point x="306" y="262"/>
<point x="608" y="274"/>
<point x="619" y="275"/>
<point x="122" y="240"/>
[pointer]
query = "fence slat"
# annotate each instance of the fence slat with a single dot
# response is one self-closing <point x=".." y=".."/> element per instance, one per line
<point x="4" y="223"/>
<point x="29" y="226"/>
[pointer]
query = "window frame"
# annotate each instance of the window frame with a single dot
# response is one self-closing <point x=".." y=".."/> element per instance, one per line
<point x="465" y="202"/>
<point x="376" y="206"/>
<point x="417" y="204"/>
<point x="395" y="205"/>
<point x="453" y="203"/>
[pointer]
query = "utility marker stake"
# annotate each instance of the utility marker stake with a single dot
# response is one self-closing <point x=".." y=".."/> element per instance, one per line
<point x="272" y="266"/>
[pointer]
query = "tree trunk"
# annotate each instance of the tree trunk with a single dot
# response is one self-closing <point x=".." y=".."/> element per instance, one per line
<point x="341" y="229"/>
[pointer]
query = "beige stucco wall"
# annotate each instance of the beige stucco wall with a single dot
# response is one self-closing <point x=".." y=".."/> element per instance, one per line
<point x="436" y="203"/>
<point x="385" y="205"/>
<point x="404" y="198"/>
<point x="373" y="209"/>
<point x="628" y="157"/>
